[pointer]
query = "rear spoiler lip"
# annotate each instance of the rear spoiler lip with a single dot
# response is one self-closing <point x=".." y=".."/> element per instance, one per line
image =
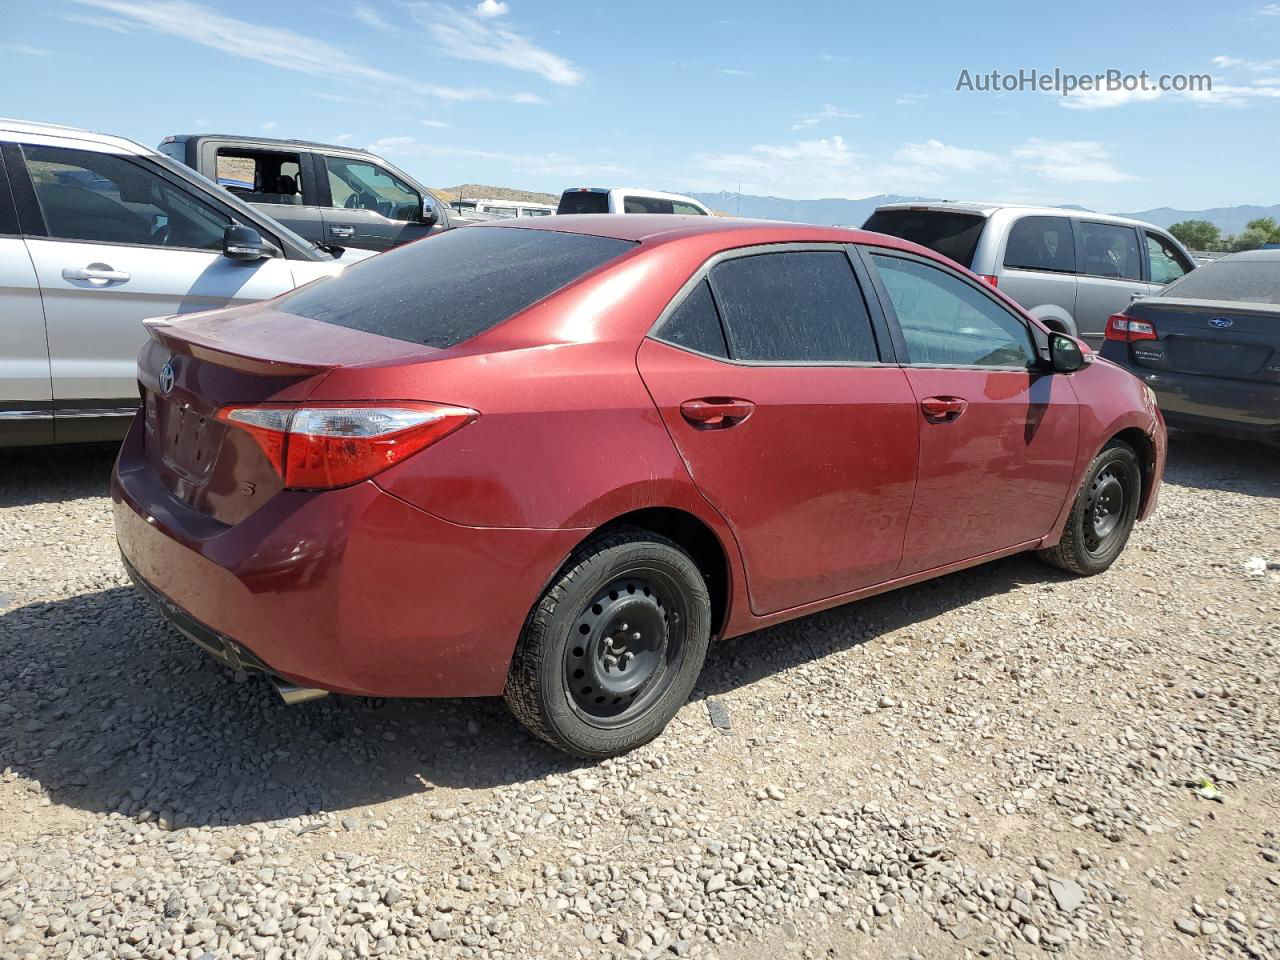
<point x="1190" y="304"/>
<point x="207" y="346"/>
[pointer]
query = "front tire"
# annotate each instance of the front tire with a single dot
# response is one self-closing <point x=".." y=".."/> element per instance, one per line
<point x="1103" y="515"/>
<point x="614" y="646"/>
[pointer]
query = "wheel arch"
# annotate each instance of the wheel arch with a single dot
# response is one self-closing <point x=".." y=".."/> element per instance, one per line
<point x="1056" y="318"/>
<point x="697" y="538"/>
<point x="1146" y="451"/>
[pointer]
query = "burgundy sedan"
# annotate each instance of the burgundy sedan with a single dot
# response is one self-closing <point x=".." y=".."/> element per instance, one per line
<point x="552" y="459"/>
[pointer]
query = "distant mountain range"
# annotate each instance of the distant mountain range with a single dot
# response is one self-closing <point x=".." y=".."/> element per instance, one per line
<point x="854" y="212"/>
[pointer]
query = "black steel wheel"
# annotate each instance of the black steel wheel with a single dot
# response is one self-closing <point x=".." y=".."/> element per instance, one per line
<point x="614" y="646"/>
<point x="1103" y="515"/>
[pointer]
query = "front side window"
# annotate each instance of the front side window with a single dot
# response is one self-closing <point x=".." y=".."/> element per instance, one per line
<point x="797" y="306"/>
<point x="1041" y="243"/>
<point x="646" y="205"/>
<point x="108" y="198"/>
<point x="947" y="322"/>
<point x="261" y="176"/>
<point x="453" y="287"/>
<point x="1110" y="251"/>
<point x="361" y="185"/>
<point x="535" y="212"/>
<point x="1166" y="262"/>
<point x="504" y="213"/>
<point x="688" y="209"/>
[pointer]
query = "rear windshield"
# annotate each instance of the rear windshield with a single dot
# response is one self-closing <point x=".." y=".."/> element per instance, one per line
<point x="953" y="235"/>
<point x="1250" y="281"/>
<point x="445" y="289"/>
<point x="583" y="201"/>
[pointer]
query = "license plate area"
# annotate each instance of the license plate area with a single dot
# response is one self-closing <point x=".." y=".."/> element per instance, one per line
<point x="1194" y="355"/>
<point x="188" y="440"/>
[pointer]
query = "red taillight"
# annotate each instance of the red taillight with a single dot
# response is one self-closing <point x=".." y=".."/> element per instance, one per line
<point x="322" y="446"/>
<point x="994" y="281"/>
<point x="1126" y="329"/>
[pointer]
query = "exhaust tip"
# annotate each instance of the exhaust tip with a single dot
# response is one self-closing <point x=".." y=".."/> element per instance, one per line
<point x="291" y="694"/>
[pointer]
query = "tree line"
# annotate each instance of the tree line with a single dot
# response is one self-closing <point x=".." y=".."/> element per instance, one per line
<point x="1203" y="235"/>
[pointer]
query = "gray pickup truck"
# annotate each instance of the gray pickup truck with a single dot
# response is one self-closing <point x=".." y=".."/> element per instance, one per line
<point x="330" y="194"/>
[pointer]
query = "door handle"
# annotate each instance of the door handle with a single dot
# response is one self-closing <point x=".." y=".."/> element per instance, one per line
<point x="943" y="409"/>
<point x="716" y="413"/>
<point x="342" y="231"/>
<point x="99" y="274"/>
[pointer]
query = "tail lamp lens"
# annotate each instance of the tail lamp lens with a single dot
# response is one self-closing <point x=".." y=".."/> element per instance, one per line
<point x="1126" y="329"/>
<point x="989" y="278"/>
<point x="320" y="447"/>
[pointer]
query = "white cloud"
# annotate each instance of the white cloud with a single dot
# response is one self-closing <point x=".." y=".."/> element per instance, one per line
<point x="274" y="46"/>
<point x="546" y="164"/>
<point x="1104" y="99"/>
<point x="435" y="123"/>
<point x="1257" y="66"/>
<point x="1070" y="160"/>
<point x="270" y="125"/>
<point x="828" y="112"/>
<point x="832" y="58"/>
<point x="907" y="99"/>
<point x="730" y="72"/>
<point x="807" y="169"/>
<point x="1270" y="10"/>
<point x="466" y="37"/>
<point x="342" y="138"/>
<point x="371" y="17"/>
<point x="26" y="49"/>
<point x="104" y="23"/>
<point x="492" y="8"/>
<point x="935" y="155"/>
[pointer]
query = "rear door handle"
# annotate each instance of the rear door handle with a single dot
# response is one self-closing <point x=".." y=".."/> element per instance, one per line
<point x="943" y="409"/>
<point x="99" y="274"/>
<point x="342" y="231"/>
<point x="716" y="413"/>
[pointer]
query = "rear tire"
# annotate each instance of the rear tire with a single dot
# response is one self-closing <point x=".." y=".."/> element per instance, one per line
<point x="1103" y="515"/>
<point x="614" y="646"/>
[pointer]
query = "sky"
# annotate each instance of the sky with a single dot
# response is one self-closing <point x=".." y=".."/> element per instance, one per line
<point x="802" y="100"/>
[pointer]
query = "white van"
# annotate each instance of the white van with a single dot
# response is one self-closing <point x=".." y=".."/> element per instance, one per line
<point x="627" y="200"/>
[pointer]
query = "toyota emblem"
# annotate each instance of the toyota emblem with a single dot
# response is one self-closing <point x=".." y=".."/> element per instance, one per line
<point x="166" y="377"/>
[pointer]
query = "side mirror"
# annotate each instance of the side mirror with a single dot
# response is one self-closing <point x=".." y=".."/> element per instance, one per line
<point x="430" y="215"/>
<point x="245" y="243"/>
<point x="1064" y="353"/>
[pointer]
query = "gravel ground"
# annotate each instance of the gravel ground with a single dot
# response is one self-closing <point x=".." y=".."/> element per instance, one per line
<point x="1006" y="762"/>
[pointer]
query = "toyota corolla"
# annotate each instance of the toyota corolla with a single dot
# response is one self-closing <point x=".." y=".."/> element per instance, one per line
<point x="552" y="460"/>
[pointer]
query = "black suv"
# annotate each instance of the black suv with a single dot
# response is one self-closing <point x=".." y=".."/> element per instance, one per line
<point x="330" y="194"/>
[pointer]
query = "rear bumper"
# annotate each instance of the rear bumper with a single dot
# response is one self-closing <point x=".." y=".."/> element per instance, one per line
<point x="1234" y="407"/>
<point x="350" y="590"/>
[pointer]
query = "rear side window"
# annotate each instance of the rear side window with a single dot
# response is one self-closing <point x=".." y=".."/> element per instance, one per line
<point x="1041" y="243"/>
<point x="953" y="235"/>
<point x="1111" y="251"/>
<point x="1245" y="281"/>
<point x="946" y="322"/>
<point x="688" y="209"/>
<point x="583" y="201"/>
<point x="796" y="306"/>
<point x="261" y="176"/>
<point x="647" y="205"/>
<point x="449" y="288"/>
<point x="695" y="324"/>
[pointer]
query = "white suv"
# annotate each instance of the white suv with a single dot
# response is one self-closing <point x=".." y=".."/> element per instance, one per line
<point x="627" y="200"/>
<point x="98" y="233"/>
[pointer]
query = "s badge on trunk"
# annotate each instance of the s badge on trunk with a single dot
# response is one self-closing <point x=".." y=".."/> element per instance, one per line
<point x="166" y="377"/>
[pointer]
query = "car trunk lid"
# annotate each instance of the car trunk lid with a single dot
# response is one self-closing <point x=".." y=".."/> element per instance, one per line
<point x="1217" y="338"/>
<point x="197" y="364"/>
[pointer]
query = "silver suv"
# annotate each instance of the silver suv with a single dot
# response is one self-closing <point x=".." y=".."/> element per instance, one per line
<point x="1071" y="269"/>
<point x="96" y="234"/>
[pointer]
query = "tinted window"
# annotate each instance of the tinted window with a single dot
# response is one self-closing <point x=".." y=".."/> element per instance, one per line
<point x="1041" y="243"/>
<point x="798" y="306"/>
<point x="448" y="288"/>
<point x="946" y="321"/>
<point x="8" y="215"/>
<point x="646" y="205"/>
<point x="953" y="235"/>
<point x="695" y="324"/>
<point x="1247" y="281"/>
<point x="361" y="185"/>
<point x="583" y="201"/>
<point x="1166" y="261"/>
<point x="107" y="198"/>
<point x="261" y="176"/>
<point x="1110" y="251"/>
<point x="688" y="209"/>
